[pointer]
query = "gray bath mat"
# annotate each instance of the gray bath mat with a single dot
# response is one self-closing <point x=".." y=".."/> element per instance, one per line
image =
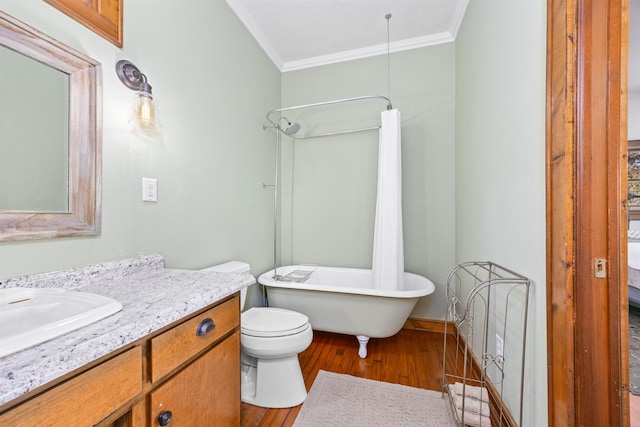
<point x="337" y="400"/>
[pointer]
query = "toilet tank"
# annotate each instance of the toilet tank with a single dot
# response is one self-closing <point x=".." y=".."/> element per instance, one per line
<point x="230" y="267"/>
<point x="233" y="267"/>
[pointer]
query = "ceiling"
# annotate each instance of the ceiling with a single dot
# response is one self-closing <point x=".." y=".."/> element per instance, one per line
<point x="298" y="34"/>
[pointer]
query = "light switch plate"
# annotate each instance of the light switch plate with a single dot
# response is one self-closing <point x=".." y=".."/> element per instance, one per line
<point x="499" y="346"/>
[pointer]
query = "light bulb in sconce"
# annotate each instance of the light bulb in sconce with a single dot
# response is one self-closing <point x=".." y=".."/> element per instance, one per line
<point x="144" y="117"/>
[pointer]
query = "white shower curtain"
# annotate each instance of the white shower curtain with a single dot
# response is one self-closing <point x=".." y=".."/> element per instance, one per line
<point x="388" y="252"/>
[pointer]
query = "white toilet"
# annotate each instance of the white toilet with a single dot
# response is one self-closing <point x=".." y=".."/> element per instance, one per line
<point x="270" y="339"/>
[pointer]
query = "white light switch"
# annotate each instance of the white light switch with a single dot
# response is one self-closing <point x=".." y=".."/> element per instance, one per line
<point x="149" y="190"/>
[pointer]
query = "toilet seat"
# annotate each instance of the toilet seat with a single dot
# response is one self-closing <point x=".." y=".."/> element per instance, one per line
<point x="272" y="322"/>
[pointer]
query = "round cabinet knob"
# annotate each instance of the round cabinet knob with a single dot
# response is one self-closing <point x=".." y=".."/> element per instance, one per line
<point x="206" y="326"/>
<point x="164" y="418"/>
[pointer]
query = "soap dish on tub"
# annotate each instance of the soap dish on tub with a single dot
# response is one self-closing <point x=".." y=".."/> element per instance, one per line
<point x="300" y="274"/>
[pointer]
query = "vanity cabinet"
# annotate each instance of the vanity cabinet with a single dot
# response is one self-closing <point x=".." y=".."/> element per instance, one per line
<point x="186" y="374"/>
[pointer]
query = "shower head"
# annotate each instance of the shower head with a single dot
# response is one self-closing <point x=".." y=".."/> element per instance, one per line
<point x="292" y="128"/>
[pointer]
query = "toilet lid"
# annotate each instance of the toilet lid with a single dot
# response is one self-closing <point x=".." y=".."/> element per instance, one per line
<point x="272" y="322"/>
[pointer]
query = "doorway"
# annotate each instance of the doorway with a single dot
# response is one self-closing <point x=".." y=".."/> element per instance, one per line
<point x="633" y="252"/>
<point x="587" y="308"/>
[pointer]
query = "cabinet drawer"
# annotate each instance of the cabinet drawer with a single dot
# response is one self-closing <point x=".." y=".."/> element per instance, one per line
<point x="86" y="399"/>
<point x="172" y="348"/>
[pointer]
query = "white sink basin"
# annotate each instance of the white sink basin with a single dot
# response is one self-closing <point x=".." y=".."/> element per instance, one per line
<point x="29" y="316"/>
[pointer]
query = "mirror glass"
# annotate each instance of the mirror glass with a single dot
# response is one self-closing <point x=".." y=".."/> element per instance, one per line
<point x="34" y="130"/>
<point x="50" y="136"/>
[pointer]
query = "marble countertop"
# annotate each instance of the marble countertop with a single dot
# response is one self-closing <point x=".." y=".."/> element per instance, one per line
<point x="152" y="298"/>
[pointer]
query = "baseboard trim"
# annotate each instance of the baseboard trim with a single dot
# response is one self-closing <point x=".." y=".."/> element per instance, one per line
<point x="424" y="325"/>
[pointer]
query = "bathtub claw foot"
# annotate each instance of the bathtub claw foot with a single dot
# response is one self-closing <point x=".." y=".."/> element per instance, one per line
<point x="362" y="352"/>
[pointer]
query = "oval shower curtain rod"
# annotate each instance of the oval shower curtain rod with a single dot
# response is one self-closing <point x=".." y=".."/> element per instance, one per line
<point x="319" y="104"/>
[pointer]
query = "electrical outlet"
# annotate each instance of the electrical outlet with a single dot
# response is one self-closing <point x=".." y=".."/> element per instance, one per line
<point x="149" y="190"/>
<point x="499" y="346"/>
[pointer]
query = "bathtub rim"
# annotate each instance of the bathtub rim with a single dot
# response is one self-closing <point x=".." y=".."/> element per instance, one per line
<point x="427" y="288"/>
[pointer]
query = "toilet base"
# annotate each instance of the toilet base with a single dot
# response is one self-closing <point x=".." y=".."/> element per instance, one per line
<point x="273" y="383"/>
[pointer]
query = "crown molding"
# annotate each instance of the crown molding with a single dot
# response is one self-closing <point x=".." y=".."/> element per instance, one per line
<point x="366" y="52"/>
<point x="458" y="17"/>
<point x="254" y="29"/>
<point x="398" y="46"/>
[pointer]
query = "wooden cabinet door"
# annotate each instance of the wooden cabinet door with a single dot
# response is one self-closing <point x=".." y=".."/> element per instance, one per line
<point x="103" y="17"/>
<point x="206" y="392"/>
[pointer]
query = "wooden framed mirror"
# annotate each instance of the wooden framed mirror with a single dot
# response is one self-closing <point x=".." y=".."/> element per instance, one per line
<point x="71" y="115"/>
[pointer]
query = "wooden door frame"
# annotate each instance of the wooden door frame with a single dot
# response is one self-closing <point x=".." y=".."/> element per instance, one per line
<point x="587" y="329"/>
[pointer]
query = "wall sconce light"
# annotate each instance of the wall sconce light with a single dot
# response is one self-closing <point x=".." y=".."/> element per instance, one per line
<point x="145" y="112"/>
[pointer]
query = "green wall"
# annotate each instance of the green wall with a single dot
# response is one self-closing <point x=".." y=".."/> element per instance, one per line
<point x="213" y="85"/>
<point x="500" y="159"/>
<point x="328" y="207"/>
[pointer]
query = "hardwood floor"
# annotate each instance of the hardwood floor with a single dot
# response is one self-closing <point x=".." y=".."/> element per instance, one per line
<point x="411" y="357"/>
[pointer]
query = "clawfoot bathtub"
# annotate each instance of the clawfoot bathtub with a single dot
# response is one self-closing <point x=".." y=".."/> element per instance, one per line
<point x="342" y="300"/>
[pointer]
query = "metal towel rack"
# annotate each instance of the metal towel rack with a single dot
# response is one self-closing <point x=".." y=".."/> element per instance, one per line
<point x="487" y="308"/>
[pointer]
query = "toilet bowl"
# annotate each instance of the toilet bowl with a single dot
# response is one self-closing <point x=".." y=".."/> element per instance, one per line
<point x="270" y="340"/>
